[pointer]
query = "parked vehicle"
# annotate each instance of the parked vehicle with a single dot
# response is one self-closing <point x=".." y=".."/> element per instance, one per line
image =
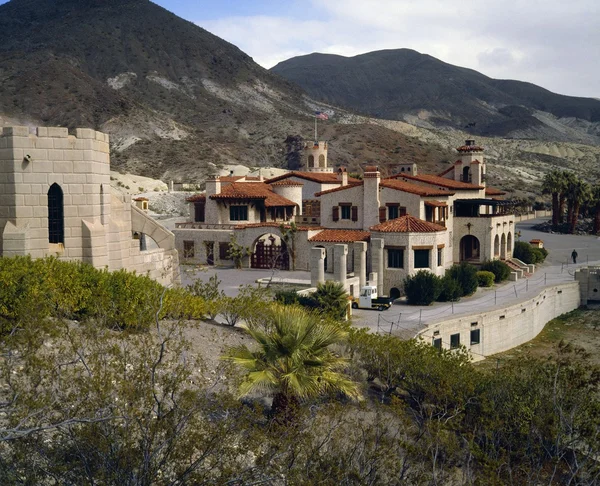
<point x="368" y="299"/>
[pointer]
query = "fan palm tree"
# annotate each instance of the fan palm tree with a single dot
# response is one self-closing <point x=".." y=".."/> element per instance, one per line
<point x="553" y="184"/>
<point x="578" y="193"/>
<point x="293" y="360"/>
<point x="332" y="298"/>
<point x="596" y="203"/>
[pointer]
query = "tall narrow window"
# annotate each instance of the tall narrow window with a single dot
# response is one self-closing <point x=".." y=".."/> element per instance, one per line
<point x="56" y="219"/>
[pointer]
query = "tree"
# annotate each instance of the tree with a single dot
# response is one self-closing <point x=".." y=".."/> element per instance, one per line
<point x="210" y="292"/>
<point x="332" y="299"/>
<point x="553" y="184"/>
<point x="596" y="201"/>
<point x="578" y="192"/>
<point x="293" y="361"/>
<point x="288" y="235"/>
<point x="237" y="252"/>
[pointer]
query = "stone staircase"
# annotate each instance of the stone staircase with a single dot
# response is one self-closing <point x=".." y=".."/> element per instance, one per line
<point x="518" y="269"/>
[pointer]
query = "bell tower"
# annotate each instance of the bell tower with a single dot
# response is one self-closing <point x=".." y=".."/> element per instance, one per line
<point x="471" y="166"/>
<point x="316" y="157"/>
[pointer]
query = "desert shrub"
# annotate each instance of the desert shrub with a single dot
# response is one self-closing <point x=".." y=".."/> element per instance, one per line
<point x="178" y="303"/>
<point x="485" y="279"/>
<point x="249" y="305"/>
<point x="524" y="252"/>
<point x="500" y="269"/>
<point x="287" y="297"/>
<point x="422" y="288"/>
<point x="466" y="276"/>
<point x="37" y="289"/>
<point x="210" y="293"/>
<point x="451" y="290"/>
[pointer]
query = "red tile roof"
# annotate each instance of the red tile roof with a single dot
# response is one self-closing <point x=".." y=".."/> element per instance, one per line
<point x="469" y="148"/>
<point x="322" y="177"/>
<point x="492" y="191"/>
<point x="196" y="198"/>
<point x="407" y="224"/>
<point x="252" y="190"/>
<point x="342" y="188"/>
<point x="436" y="203"/>
<point x="448" y="170"/>
<point x="400" y="185"/>
<point x="341" y="236"/>
<point x="439" y="181"/>
<point x="287" y="183"/>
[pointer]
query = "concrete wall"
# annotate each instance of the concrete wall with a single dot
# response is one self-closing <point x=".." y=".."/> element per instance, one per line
<point x="504" y="328"/>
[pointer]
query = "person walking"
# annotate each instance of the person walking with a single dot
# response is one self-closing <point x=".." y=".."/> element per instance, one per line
<point x="574" y="256"/>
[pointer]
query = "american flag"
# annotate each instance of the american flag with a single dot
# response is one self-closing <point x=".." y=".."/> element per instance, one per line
<point x="321" y="116"/>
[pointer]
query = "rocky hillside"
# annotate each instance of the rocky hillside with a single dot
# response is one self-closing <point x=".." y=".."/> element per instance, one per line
<point x="180" y="103"/>
<point x="405" y="85"/>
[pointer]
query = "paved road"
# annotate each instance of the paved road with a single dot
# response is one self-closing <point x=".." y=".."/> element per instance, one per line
<point x="405" y="321"/>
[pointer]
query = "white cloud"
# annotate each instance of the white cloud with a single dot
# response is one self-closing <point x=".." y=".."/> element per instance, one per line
<point x="550" y="43"/>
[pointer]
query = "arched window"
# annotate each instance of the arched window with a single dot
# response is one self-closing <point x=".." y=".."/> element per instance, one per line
<point x="321" y="160"/>
<point x="56" y="219"/>
<point x="311" y="160"/>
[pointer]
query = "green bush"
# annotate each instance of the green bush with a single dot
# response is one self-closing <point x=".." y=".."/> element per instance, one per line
<point x="540" y="254"/>
<point x="38" y="289"/>
<point x="500" y="269"/>
<point x="528" y="254"/>
<point x="451" y="290"/>
<point x="485" y="279"/>
<point x="422" y="288"/>
<point x="287" y="297"/>
<point x="466" y="276"/>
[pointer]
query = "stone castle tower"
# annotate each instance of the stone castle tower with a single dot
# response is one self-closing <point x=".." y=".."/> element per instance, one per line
<point x="56" y="200"/>
<point x="471" y="165"/>
<point x="316" y="157"/>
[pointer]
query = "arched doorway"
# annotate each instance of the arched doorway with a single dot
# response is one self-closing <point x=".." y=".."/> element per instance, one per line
<point x="509" y="245"/>
<point x="270" y="251"/>
<point x="469" y="248"/>
<point x="56" y="219"/>
<point x="503" y="247"/>
<point x="497" y="246"/>
<point x="395" y="293"/>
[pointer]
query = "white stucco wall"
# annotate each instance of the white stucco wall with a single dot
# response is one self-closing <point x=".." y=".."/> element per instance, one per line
<point x="509" y="326"/>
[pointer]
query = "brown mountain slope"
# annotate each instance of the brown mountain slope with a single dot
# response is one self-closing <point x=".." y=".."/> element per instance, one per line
<point x="179" y="101"/>
<point x="403" y="84"/>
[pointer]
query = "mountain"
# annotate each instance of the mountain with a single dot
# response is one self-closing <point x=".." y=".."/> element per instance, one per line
<point x="180" y="103"/>
<point x="405" y="85"/>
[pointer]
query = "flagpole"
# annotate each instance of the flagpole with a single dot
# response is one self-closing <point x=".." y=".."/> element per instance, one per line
<point x="316" y="129"/>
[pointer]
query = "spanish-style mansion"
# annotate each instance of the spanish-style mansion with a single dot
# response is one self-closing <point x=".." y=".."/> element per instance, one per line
<point x="394" y="226"/>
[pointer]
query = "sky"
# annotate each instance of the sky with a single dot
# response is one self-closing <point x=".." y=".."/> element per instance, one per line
<point x="554" y="44"/>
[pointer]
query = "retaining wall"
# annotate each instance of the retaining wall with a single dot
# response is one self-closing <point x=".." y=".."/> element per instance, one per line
<point x="505" y="327"/>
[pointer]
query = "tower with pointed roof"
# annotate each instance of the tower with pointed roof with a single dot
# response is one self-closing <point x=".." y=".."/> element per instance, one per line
<point x="316" y="157"/>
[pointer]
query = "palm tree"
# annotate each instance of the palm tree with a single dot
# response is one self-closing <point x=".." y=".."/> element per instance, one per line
<point x="578" y="193"/>
<point x="553" y="184"/>
<point x="332" y="298"/>
<point x="293" y="361"/>
<point x="567" y="179"/>
<point x="596" y="203"/>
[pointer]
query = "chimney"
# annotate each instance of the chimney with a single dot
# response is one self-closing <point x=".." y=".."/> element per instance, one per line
<point x="371" y="179"/>
<point x="260" y="176"/>
<point x="343" y="176"/>
<point x="213" y="185"/>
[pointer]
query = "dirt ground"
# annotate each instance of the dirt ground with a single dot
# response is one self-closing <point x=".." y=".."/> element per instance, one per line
<point x="580" y="328"/>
